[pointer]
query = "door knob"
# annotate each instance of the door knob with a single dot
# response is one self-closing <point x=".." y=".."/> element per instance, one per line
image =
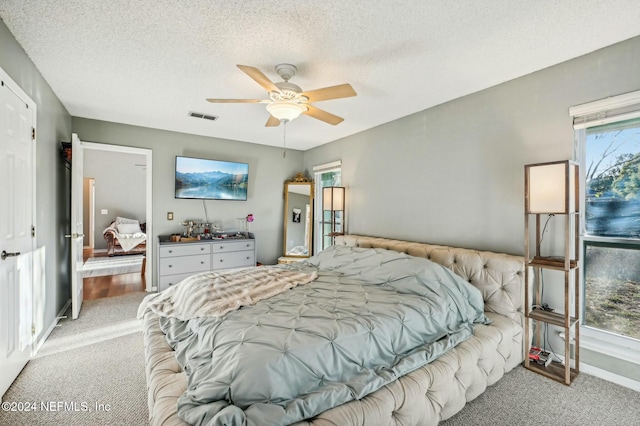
<point x="4" y="254"/>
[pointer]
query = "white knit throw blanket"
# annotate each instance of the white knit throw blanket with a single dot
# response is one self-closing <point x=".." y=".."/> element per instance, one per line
<point x="129" y="241"/>
<point x="213" y="294"/>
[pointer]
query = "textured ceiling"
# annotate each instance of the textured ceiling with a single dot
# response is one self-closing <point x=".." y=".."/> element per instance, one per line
<point x="150" y="62"/>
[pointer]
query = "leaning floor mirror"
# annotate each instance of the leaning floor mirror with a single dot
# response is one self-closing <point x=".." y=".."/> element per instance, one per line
<point x="298" y="217"/>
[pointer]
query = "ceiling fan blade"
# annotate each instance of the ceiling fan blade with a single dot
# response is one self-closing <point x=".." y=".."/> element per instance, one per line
<point x="333" y="92"/>
<point x="234" y="101"/>
<point x="322" y="115"/>
<point x="272" y="122"/>
<point x="259" y="77"/>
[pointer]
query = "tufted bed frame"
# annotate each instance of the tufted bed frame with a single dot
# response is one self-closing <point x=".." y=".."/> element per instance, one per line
<point x="425" y="396"/>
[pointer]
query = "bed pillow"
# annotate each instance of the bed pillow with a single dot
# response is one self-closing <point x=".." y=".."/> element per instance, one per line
<point x="124" y="225"/>
<point x="129" y="228"/>
<point x="120" y="220"/>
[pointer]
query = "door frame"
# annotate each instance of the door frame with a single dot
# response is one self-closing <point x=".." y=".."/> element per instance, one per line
<point x="92" y="213"/>
<point x="148" y="153"/>
<point x="89" y="211"/>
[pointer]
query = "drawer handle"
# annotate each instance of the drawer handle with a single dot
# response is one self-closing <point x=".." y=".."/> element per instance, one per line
<point x="248" y="245"/>
<point x="221" y="247"/>
<point x="201" y="248"/>
<point x="202" y="263"/>
<point x="221" y="260"/>
<point x="248" y="257"/>
<point x="170" y="266"/>
<point x="170" y="251"/>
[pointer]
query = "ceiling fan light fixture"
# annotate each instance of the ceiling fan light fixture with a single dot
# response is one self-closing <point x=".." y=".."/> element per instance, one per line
<point x="285" y="110"/>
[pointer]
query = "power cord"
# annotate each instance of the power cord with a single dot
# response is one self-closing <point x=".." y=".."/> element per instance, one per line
<point x="544" y="228"/>
<point x="545" y="306"/>
<point x="548" y="342"/>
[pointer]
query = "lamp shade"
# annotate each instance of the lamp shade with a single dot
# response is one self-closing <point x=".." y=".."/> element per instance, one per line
<point x="285" y="110"/>
<point x="333" y="198"/>
<point x="551" y="187"/>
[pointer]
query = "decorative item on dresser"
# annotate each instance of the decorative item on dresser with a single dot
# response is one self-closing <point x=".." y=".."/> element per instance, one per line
<point x="552" y="189"/>
<point x="298" y="219"/>
<point x="178" y="260"/>
<point x="302" y="316"/>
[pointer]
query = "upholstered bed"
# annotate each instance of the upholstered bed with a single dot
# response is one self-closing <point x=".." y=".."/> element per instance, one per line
<point x="425" y="395"/>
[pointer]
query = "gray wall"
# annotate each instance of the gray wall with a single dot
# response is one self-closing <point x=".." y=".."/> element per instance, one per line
<point x="120" y="188"/>
<point x="267" y="173"/>
<point x="52" y="178"/>
<point x="454" y="174"/>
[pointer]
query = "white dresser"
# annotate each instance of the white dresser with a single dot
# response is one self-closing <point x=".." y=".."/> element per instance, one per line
<point x="179" y="260"/>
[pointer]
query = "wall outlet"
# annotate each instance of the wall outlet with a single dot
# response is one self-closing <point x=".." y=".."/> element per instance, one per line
<point x="104" y="211"/>
<point x="169" y="215"/>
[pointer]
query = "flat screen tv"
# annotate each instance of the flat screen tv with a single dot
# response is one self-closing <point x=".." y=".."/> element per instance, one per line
<point x="204" y="179"/>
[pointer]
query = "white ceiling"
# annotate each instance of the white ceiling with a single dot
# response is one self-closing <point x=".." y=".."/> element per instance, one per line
<point x="150" y="62"/>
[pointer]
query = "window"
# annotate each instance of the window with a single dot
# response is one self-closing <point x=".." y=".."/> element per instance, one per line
<point x="612" y="288"/>
<point x="612" y="180"/>
<point x="608" y="144"/>
<point x="324" y="175"/>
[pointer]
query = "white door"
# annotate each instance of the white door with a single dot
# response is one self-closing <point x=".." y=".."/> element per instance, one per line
<point x="16" y="240"/>
<point x="76" y="235"/>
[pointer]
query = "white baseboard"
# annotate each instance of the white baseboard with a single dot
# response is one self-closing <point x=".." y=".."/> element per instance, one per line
<point x="53" y="325"/>
<point x="605" y="375"/>
<point x="609" y="376"/>
<point x="611" y="349"/>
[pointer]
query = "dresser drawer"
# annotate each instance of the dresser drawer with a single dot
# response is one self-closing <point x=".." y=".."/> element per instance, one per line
<point x="168" y="280"/>
<point x="184" y="250"/>
<point x="185" y="264"/>
<point x="233" y="246"/>
<point x="234" y="259"/>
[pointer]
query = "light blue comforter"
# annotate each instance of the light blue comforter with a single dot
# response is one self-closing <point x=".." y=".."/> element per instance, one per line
<point x="370" y="317"/>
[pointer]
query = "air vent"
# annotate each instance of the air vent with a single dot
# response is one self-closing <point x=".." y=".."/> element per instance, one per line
<point x="203" y="116"/>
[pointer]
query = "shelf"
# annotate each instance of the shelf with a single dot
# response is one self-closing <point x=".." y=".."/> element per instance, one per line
<point x="555" y="371"/>
<point x="550" y="317"/>
<point x="552" y="189"/>
<point x="553" y="262"/>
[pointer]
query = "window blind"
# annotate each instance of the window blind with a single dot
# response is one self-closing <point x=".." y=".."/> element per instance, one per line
<point x="328" y="167"/>
<point x="605" y="111"/>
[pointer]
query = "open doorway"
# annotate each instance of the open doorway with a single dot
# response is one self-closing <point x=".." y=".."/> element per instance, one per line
<point x="117" y="198"/>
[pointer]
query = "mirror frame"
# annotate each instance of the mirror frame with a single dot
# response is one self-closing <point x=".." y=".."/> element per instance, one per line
<point x="298" y="180"/>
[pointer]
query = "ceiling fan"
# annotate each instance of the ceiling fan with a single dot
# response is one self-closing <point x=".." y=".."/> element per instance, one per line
<point x="287" y="100"/>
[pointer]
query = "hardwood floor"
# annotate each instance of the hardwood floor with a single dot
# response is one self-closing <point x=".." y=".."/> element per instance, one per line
<point x="110" y="285"/>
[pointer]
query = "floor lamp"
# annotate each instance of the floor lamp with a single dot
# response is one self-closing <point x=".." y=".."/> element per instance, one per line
<point x="333" y="202"/>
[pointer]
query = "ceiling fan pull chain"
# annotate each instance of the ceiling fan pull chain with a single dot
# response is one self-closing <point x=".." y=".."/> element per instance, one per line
<point x="284" y="140"/>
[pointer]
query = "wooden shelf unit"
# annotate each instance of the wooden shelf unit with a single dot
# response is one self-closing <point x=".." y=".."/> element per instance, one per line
<point x="555" y="371"/>
<point x="552" y="317"/>
<point x="566" y="316"/>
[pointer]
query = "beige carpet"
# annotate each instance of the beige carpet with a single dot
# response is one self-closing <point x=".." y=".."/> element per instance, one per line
<point x="89" y="372"/>
<point x="524" y="398"/>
